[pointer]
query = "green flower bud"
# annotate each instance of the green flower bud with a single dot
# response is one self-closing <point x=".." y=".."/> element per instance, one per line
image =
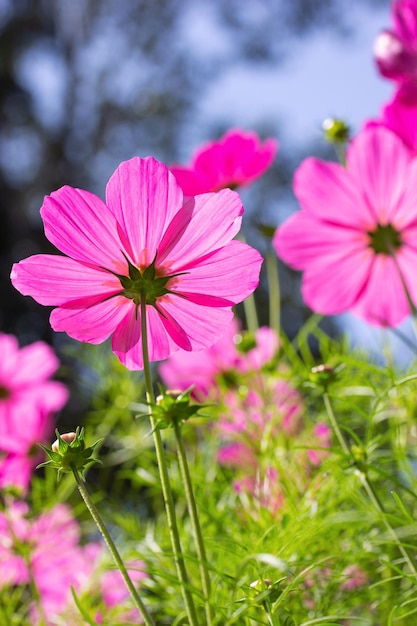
<point x="69" y="453"/>
<point x="336" y="131"/>
<point x="171" y="407"/>
<point x="323" y="375"/>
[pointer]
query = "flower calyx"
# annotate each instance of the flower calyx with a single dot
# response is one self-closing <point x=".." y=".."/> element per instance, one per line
<point x="171" y="408"/>
<point x="69" y="453"/>
<point x="336" y="131"/>
<point x="144" y="284"/>
<point x="323" y="376"/>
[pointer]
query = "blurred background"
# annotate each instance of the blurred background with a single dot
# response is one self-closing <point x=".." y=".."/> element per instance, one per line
<point x="86" y="84"/>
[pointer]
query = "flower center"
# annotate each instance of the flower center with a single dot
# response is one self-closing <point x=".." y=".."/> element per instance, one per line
<point x="4" y="393"/>
<point x="144" y="284"/>
<point x="385" y="239"/>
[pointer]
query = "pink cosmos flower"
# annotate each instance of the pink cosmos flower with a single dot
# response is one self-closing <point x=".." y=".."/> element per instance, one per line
<point x="57" y="561"/>
<point x="19" y="452"/>
<point x="235" y="160"/>
<point x="262" y="489"/>
<point x="395" y="50"/>
<point x="323" y="436"/>
<point x="355" y="237"/>
<point x="28" y="399"/>
<point x="400" y="116"/>
<point x="145" y="245"/>
<point x="53" y="555"/>
<point x="202" y="369"/>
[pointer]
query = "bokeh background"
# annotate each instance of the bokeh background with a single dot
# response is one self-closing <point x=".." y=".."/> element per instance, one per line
<point x="86" y="84"/>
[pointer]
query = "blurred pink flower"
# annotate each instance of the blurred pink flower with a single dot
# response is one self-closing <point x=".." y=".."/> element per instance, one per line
<point x="263" y="490"/>
<point x="323" y="436"/>
<point x="145" y="243"/>
<point x="237" y="454"/>
<point x="354" y="577"/>
<point x="400" y="116"/>
<point x="55" y="559"/>
<point x="53" y="556"/>
<point x="355" y="237"/>
<point x="395" y="50"/>
<point x="235" y="160"/>
<point x="28" y="399"/>
<point x="115" y="594"/>
<point x="19" y="452"/>
<point x="202" y="369"/>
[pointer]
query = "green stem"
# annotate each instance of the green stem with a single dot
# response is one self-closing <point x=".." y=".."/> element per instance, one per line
<point x="367" y="484"/>
<point x="165" y="482"/>
<point x="413" y="309"/>
<point x="195" y="522"/>
<point x="274" y="291"/>
<point x="249" y="305"/>
<point x="251" y="316"/>
<point x="34" y="589"/>
<point x="94" y="512"/>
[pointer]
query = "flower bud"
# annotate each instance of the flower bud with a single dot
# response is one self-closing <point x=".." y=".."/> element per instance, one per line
<point x="323" y="375"/>
<point x="393" y="59"/>
<point x="69" y="453"/>
<point x="67" y="437"/>
<point x="335" y="131"/>
<point x="173" y="407"/>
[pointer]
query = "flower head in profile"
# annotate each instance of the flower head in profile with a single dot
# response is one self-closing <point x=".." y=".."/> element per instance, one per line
<point x="235" y="160"/>
<point x="144" y="250"/>
<point x="395" y="50"/>
<point x="355" y="236"/>
<point x="400" y="116"/>
<point x="28" y="401"/>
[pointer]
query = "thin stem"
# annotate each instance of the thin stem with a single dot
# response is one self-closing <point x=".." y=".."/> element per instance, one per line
<point x="94" y="512"/>
<point x="249" y="305"/>
<point x="367" y="484"/>
<point x="165" y="482"/>
<point x="251" y="316"/>
<point x="413" y="309"/>
<point x="274" y="291"/>
<point x="195" y="521"/>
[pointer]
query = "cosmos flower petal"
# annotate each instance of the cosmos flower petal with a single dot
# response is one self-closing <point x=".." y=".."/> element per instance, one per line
<point x="405" y="22"/>
<point x="191" y="183"/>
<point x="407" y="263"/>
<point x="204" y="224"/>
<point x="36" y="362"/>
<point x="93" y="324"/>
<point x="333" y="286"/>
<point x="405" y="216"/>
<point x="55" y="280"/>
<point x="80" y="225"/>
<point x="250" y="157"/>
<point x="144" y="196"/>
<point x="320" y="185"/>
<point x="400" y="116"/>
<point x="387" y="306"/>
<point x="127" y="339"/>
<point x="235" y="160"/>
<point x="202" y="324"/>
<point x="302" y="241"/>
<point x="228" y="274"/>
<point x="378" y="162"/>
